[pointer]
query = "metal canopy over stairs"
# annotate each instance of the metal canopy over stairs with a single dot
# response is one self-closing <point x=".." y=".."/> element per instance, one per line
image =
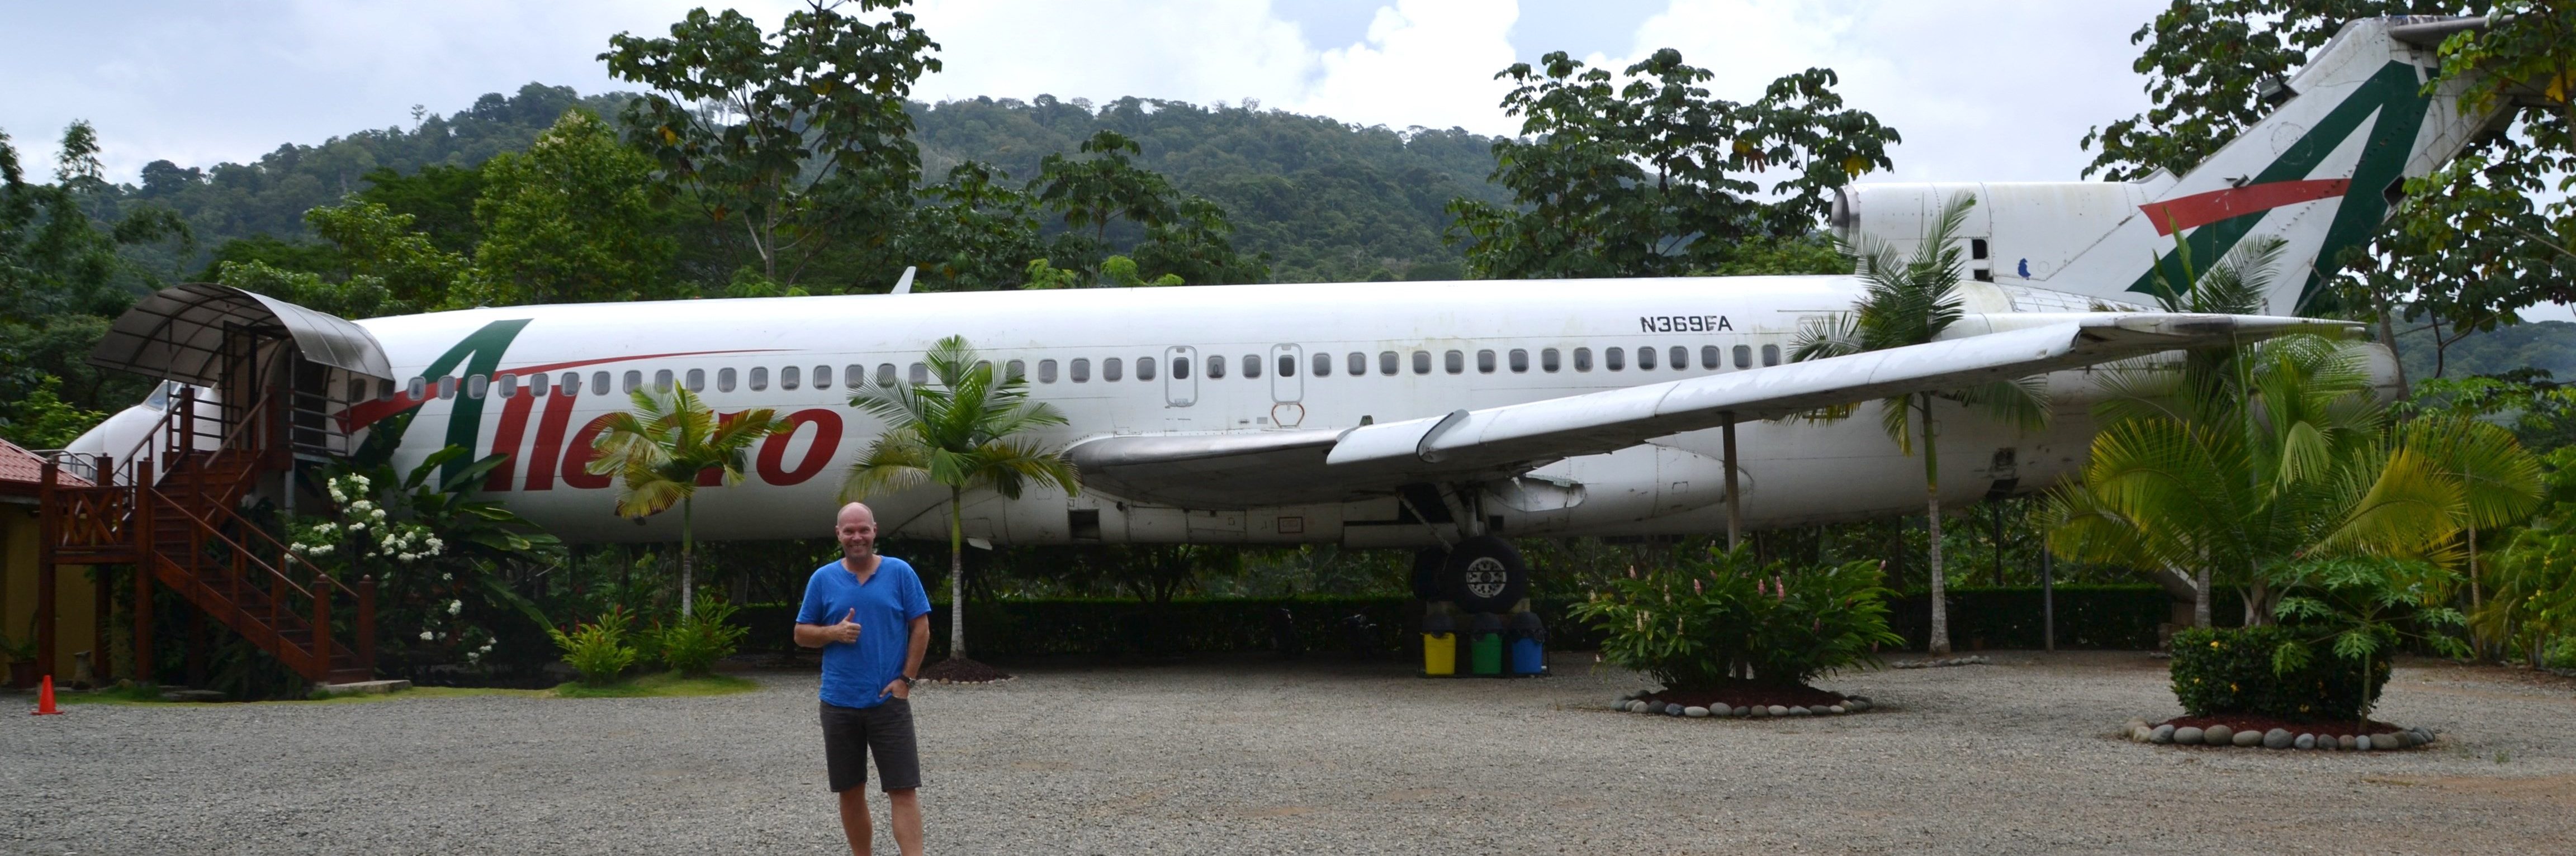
<point x="257" y="380"/>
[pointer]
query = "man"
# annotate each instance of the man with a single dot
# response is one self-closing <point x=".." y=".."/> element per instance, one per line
<point x="871" y="618"/>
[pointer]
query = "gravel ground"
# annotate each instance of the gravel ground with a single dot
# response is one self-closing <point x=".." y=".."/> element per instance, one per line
<point x="1255" y="756"/>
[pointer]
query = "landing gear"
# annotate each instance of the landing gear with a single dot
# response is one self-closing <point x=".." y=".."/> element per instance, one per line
<point x="1484" y="574"/>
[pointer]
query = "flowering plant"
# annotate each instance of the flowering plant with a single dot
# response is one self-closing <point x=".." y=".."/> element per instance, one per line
<point x="1702" y="622"/>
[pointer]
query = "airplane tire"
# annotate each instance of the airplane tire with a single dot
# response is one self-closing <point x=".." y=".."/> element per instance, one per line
<point x="1428" y="565"/>
<point x="1484" y="574"/>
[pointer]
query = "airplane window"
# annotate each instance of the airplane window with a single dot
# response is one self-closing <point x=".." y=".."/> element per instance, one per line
<point x="787" y="377"/>
<point x="509" y="384"/>
<point x="1583" y="359"/>
<point x="920" y="374"/>
<point x="1520" y="360"/>
<point x="1422" y="362"/>
<point x="384" y="387"/>
<point x="1251" y="366"/>
<point x="475" y="386"/>
<point x="1743" y="356"/>
<point x="1145" y="368"/>
<point x="1547" y="359"/>
<point x="724" y="380"/>
<point x="1708" y="357"/>
<point x="443" y="387"/>
<point x="1453" y="362"/>
<point x="1359" y="364"/>
<point x="1680" y="357"/>
<point x="985" y="366"/>
<point x="1770" y="355"/>
<point x="759" y="378"/>
<point x="1614" y="359"/>
<point x="1485" y="362"/>
<point x="572" y="384"/>
<point x="1386" y="362"/>
<point x="634" y="380"/>
<point x="1109" y="369"/>
<point x="885" y="374"/>
<point x="1082" y="370"/>
<point x="537" y="385"/>
<point x="822" y="377"/>
<point x="1046" y="371"/>
<point x="697" y="380"/>
<point x="1645" y="358"/>
<point x="1323" y="365"/>
<point x="1288" y="365"/>
<point x="599" y="383"/>
<point x="1015" y="369"/>
<point x="1216" y="367"/>
<point x="662" y="380"/>
<point x="854" y="375"/>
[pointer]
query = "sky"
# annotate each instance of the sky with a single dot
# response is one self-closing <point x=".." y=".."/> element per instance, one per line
<point x="1995" y="90"/>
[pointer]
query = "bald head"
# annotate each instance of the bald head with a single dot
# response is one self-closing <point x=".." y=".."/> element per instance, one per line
<point x="856" y="528"/>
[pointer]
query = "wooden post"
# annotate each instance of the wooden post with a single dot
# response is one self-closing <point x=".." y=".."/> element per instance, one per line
<point x="147" y="561"/>
<point x="321" y="626"/>
<point x="196" y="659"/>
<point x="367" y="624"/>
<point x="1734" y="492"/>
<point x="102" y="665"/>
<point x="48" y="527"/>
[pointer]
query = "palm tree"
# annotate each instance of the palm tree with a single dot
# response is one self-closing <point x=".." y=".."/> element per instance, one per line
<point x="661" y="451"/>
<point x="2294" y="461"/>
<point x="965" y="432"/>
<point x="1911" y="301"/>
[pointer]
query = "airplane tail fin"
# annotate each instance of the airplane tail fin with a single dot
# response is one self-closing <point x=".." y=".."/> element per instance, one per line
<point x="2317" y="175"/>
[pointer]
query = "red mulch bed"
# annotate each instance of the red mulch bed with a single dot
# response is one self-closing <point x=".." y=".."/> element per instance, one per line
<point x="2260" y="724"/>
<point x="958" y="670"/>
<point x="1747" y="694"/>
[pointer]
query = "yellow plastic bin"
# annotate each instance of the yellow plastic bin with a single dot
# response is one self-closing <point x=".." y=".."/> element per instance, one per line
<point x="1439" y="646"/>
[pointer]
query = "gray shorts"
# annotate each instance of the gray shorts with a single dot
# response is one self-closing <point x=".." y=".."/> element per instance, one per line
<point x="851" y="734"/>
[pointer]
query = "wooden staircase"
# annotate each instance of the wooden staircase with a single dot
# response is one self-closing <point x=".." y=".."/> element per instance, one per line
<point x="170" y="512"/>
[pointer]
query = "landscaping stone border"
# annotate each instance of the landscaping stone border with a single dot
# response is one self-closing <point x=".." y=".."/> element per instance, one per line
<point x="1970" y="660"/>
<point x="2278" y="738"/>
<point x="1632" y="703"/>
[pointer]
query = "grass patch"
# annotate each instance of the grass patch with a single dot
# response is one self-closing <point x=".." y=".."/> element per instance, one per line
<point x="663" y="684"/>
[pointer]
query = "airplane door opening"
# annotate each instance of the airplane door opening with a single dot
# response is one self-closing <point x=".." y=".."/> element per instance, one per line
<point x="1180" y="385"/>
<point x="1287" y="385"/>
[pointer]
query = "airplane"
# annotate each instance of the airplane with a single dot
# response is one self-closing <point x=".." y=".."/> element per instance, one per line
<point x="1440" y="415"/>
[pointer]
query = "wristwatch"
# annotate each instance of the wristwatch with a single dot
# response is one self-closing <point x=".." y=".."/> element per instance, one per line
<point x="908" y="680"/>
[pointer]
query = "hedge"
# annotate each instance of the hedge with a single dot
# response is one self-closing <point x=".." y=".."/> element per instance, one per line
<point x="2229" y="670"/>
<point x="2111" y="617"/>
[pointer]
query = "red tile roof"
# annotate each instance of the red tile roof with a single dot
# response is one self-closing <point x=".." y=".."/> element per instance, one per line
<point x="21" y="467"/>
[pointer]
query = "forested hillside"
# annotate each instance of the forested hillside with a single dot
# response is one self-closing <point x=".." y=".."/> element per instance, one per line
<point x="1327" y="201"/>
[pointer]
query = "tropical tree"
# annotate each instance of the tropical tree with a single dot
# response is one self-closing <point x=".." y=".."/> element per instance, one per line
<point x="2293" y="460"/>
<point x="1911" y="301"/>
<point x="662" y="451"/>
<point x="965" y="431"/>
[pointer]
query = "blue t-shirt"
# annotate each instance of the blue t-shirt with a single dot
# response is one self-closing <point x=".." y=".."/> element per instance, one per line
<point x="855" y="674"/>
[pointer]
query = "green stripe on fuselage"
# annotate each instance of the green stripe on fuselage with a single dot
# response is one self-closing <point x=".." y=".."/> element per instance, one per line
<point x="480" y="354"/>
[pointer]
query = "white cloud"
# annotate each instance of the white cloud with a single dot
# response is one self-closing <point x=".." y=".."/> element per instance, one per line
<point x="1425" y="62"/>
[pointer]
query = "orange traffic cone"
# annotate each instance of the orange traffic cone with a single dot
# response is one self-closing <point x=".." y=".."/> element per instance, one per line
<point x="45" y="699"/>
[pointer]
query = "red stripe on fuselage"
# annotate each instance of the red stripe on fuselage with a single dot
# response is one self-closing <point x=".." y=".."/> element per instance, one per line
<point x="366" y="413"/>
<point x="2201" y="209"/>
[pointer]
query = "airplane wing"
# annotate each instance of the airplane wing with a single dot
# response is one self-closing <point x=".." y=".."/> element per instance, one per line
<point x="1324" y="465"/>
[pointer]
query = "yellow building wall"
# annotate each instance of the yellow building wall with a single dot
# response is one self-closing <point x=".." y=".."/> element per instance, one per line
<point x="75" y="603"/>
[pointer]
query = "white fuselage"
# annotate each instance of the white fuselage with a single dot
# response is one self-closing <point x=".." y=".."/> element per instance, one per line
<point x="1066" y="342"/>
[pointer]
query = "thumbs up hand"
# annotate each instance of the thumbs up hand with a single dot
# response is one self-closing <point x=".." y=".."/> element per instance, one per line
<point x="847" y="630"/>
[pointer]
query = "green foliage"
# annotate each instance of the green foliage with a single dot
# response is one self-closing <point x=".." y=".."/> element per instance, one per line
<point x="1653" y="178"/>
<point x="692" y="644"/>
<point x="44" y="420"/>
<point x="1697" y="623"/>
<point x="966" y="431"/>
<point x="802" y="134"/>
<point x="597" y="650"/>
<point x="661" y="450"/>
<point x="2233" y="670"/>
<point x="2529" y="606"/>
<point x="572" y="220"/>
<point x="442" y="558"/>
